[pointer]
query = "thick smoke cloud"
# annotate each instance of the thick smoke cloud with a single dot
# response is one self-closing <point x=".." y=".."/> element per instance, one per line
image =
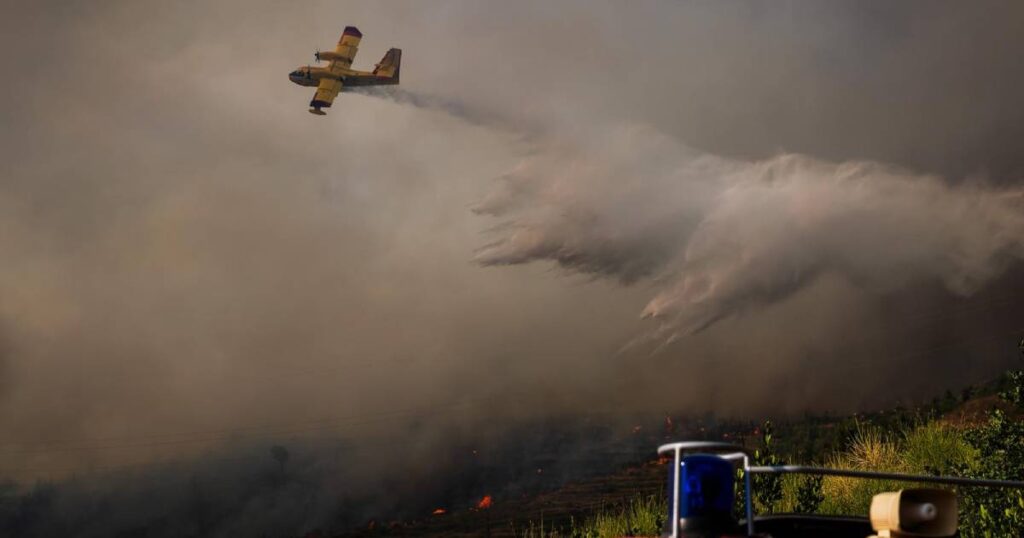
<point x="189" y="261"/>
<point x="723" y="236"/>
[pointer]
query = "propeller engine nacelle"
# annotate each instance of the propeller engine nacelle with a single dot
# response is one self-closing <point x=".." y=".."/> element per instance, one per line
<point x="326" y="56"/>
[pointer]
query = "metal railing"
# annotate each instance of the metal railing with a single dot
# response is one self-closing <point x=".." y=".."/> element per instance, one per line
<point x="740" y="454"/>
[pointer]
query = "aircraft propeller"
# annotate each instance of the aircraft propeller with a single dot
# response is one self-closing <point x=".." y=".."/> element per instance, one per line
<point x="317" y="55"/>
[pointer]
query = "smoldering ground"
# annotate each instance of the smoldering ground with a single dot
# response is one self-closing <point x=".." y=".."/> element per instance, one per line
<point x="330" y="484"/>
<point x="186" y="250"/>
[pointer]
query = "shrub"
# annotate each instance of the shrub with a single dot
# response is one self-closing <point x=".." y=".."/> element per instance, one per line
<point x="640" y="517"/>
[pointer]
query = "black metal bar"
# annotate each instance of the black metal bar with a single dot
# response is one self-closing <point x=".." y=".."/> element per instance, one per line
<point x="954" y="480"/>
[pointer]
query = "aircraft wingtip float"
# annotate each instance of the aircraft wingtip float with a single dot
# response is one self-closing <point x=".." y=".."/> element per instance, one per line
<point x="339" y="76"/>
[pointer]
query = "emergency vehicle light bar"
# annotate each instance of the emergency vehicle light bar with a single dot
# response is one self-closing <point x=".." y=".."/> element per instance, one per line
<point x="741" y="456"/>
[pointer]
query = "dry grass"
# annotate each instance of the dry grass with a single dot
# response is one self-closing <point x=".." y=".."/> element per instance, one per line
<point x="927" y="449"/>
<point x="641" y="517"/>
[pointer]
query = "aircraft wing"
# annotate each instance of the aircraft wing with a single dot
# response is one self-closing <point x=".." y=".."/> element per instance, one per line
<point x="346" y="50"/>
<point x="325" y="94"/>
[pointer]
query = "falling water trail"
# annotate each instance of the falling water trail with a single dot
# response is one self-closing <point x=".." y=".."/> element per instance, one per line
<point x="453" y="107"/>
<point x="718" y="236"/>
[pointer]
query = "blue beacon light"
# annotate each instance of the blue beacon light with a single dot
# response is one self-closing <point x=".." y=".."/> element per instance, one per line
<point x="706" y="491"/>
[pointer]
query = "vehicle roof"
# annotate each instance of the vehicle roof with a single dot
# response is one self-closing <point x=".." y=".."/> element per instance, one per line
<point x="808" y="526"/>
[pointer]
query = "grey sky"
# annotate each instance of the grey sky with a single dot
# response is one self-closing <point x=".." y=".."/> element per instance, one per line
<point x="184" y="248"/>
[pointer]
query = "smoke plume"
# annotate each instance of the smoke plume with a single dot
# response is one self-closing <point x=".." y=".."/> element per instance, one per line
<point x="818" y="196"/>
<point x="721" y="236"/>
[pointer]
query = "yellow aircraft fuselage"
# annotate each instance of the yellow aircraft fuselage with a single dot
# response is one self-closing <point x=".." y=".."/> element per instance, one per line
<point x="308" y="75"/>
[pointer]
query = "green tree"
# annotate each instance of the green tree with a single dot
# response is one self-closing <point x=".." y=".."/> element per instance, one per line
<point x="809" y="495"/>
<point x="992" y="512"/>
<point x="767" y="488"/>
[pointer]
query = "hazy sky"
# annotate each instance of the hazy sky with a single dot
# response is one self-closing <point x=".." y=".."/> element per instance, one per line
<point x="810" y="197"/>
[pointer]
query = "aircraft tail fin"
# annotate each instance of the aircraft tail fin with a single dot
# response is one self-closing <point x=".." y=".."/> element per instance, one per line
<point x="390" y="65"/>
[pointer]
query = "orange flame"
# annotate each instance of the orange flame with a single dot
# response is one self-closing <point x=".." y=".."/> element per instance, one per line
<point x="439" y="512"/>
<point x="485" y="503"/>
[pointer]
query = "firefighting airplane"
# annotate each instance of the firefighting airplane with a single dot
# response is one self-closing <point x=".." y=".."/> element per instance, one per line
<point x="338" y="75"/>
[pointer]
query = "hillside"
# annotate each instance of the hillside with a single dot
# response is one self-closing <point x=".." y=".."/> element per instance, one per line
<point x="946" y="435"/>
<point x="512" y="517"/>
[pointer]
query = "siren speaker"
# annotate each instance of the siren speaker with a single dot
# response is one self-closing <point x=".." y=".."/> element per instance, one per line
<point x="914" y="512"/>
